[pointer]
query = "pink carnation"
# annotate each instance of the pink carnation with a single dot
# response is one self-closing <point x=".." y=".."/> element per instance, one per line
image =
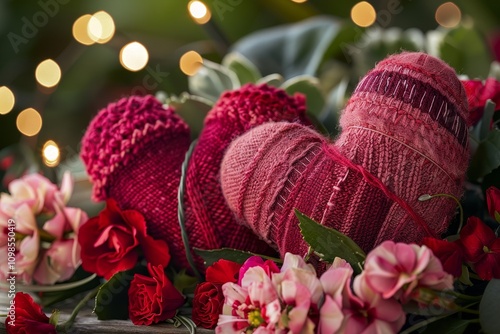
<point x="397" y="269"/>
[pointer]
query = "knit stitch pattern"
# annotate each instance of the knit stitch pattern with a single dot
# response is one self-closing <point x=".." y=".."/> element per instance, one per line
<point x="403" y="135"/>
<point x="133" y="150"/>
<point x="209" y="221"/>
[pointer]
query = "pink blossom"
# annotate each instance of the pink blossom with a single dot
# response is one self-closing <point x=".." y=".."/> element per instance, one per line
<point x="397" y="269"/>
<point x="360" y="311"/>
<point x="253" y="261"/>
<point x="296" y="270"/>
<point x="58" y="263"/>
<point x="252" y="306"/>
<point x="26" y="256"/>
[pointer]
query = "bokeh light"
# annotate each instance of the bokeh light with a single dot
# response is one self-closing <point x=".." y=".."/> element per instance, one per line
<point x="81" y="30"/>
<point x="29" y="122"/>
<point x="48" y="73"/>
<point x="199" y="12"/>
<point x="363" y="14"/>
<point x="190" y="62"/>
<point x="51" y="153"/>
<point x="101" y="27"/>
<point x="299" y="1"/>
<point x="448" y="15"/>
<point x="7" y="100"/>
<point x="134" y="56"/>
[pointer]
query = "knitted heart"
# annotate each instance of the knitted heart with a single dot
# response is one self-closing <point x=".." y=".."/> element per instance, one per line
<point x="404" y="135"/>
<point x="134" y="149"/>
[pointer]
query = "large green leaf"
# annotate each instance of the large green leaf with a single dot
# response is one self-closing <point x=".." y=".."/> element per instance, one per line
<point x="111" y="301"/>
<point x="489" y="306"/>
<point x="487" y="156"/>
<point x="294" y="49"/>
<point x="466" y="50"/>
<point x="238" y="256"/>
<point x="275" y="80"/>
<point x="242" y="67"/>
<point x="329" y="243"/>
<point x="192" y="109"/>
<point x="211" y="80"/>
<point x="309" y="86"/>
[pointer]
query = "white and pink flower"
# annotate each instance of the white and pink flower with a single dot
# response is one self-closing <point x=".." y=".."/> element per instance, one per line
<point x="399" y="269"/>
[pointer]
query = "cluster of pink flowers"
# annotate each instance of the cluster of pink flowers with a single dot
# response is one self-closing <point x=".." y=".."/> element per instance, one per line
<point x="46" y="250"/>
<point x="294" y="300"/>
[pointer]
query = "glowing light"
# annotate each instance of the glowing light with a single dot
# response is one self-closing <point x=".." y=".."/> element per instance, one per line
<point x="48" y="73"/>
<point x="299" y="1"/>
<point x="363" y="14"/>
<point x="448" y="15"/>
<point x="101" y="27"/>
<point x="81" y="31"/>
<point x="199" y="12"/>
<point x="51" y="153"/>
<point x="190" y="62"/>
<point x="7" y="100"/>
<point x="29" y="122"/>
<point x="134" y="56"/>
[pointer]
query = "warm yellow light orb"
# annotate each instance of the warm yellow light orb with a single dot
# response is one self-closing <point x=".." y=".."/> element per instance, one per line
<point x="48" y="73"/>
<point x="134" y="56"/>
<point x="81" y="30"/>
<point x="448" y="15"/>
<point x="199" y="12"/>
<point x="101" y="27"/>
<point x="51" y="153"/>
<point x="7" y="100"/>
<point x="363" y="14"/>
<point x="299" y="1"/>
<point x="190" y="62"/>
<point x="29" y="122"/>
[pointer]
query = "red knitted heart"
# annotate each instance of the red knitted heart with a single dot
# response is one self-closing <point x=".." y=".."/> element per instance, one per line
<point x="133" y="150"/>
<point x="404" y="135"/>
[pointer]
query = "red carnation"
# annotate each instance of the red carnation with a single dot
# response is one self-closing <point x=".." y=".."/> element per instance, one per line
<point x="449" y="253"/>
<point x="477" y="95"/>
<point x="153" y="299"/>
<point x="111" y="242"/>
<point x="208" y="298"/>
<point x="28" y="317"/>
<point x="493" y="200"/>
<point x="481" y="248"/>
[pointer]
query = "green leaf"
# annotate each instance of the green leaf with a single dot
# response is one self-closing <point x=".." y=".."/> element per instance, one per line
<point x="489" y="109"/>
<point x="293" y="49"/>
<point x="54" y="317"/>
<point x="275" y="80"/>
<point x="489" y="306"/>
<point x="193" y="109"/>
<point x="487" y="156"/>
<point x="330" y="114"/>
<point x="448" y="325"/>
<point x="111" y="301"/>
<point x="329" y="243"/>
<point x="211" y="80"/>
<point x="238" y="256"/>
<point x="466" y="50"/>
<point x="309" y="86"/>
<point x="242" y="67"/>
<point x="183" y="281"/>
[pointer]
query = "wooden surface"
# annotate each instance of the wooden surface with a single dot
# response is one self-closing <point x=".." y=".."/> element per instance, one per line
<point x="94" y="326"/>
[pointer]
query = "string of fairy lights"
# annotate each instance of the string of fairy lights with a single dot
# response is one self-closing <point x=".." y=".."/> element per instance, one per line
<point x="99" y="28"/>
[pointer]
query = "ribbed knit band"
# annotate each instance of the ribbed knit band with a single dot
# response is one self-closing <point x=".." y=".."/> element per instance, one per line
<point x="367" y="183"/>
<point x="417" y="99"/>
<point x="133" y="150"/>
<point x="210" y="223"/>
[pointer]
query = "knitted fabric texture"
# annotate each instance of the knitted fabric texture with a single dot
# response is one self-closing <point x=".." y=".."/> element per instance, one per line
<point x="403" y="135"/>
<point x="133" y="150"/>
<point x="210" y="223"/>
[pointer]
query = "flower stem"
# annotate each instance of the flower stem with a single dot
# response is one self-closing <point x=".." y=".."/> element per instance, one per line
<point x="68" y="323"/>
<point x="428" y="197"/>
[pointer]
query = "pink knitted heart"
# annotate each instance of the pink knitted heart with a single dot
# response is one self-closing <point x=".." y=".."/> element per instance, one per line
<point x="404" y="135"/>
<point x="133" y="150"/>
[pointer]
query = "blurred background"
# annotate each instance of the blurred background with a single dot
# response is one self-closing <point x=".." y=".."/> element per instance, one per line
<point x="63" y="60"/>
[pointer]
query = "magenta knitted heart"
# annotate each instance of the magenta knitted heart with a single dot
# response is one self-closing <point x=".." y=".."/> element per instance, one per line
<point x="134" y="149"/>
<point x="403" y="135"/>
